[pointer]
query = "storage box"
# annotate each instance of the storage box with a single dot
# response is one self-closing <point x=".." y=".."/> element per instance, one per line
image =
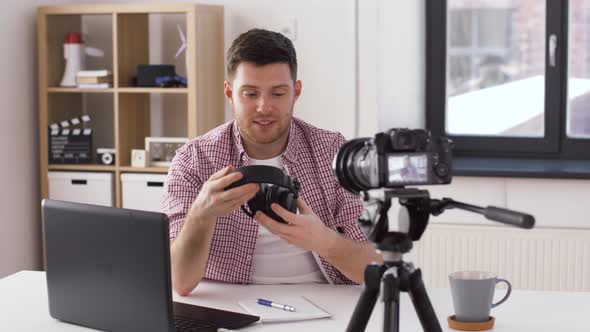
<point x="82" y="187"/>
<point x="141" y="191"/>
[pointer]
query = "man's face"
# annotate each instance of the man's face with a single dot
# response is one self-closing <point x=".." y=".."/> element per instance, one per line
<point x="262" y="99"/>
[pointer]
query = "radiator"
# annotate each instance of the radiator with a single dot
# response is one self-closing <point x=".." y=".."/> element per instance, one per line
<point x="540" y="259"/>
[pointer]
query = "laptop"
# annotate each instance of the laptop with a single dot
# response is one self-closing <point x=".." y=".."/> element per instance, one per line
<point x="109" y="269"/>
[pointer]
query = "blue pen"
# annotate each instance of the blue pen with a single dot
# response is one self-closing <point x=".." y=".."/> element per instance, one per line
<point x="276" y="305"/>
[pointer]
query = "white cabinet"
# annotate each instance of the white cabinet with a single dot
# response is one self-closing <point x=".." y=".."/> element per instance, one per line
<point x="142" y="191"/>
<point x="82" y="187"/>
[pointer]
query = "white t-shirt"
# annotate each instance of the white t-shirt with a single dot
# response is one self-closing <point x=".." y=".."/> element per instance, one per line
<point x="278" y="262"/>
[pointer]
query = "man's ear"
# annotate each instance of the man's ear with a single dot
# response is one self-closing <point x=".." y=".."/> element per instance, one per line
<point x="297" y="89"/>
<point x="228" y="92"/>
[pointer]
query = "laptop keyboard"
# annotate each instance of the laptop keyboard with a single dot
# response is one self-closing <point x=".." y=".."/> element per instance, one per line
<point x="188" y="324"/>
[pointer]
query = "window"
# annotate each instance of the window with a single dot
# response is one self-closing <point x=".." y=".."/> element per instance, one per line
<point x="478" y="39"/>
<point x="510" y="78"/>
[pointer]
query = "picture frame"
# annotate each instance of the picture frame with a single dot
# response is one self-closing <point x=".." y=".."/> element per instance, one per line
<point x="161" y="150"/>
<point x="138" y="158"/>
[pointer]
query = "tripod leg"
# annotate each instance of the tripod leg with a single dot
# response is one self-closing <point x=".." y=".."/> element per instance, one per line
<point x="391" y="303"/>
<point x="422" y="303"/>
<point x="366" y="303"/>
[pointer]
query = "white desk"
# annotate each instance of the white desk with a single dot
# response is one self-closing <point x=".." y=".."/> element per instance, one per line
<point x="23" y="307"/>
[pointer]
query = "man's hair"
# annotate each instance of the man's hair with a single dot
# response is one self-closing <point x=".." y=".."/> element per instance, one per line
<point x="261" y="47"/>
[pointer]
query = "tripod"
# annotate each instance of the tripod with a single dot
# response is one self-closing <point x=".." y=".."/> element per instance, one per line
<point x="395" y="275"/>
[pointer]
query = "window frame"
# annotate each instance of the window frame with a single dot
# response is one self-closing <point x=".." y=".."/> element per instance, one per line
<point x="555" y="145"/>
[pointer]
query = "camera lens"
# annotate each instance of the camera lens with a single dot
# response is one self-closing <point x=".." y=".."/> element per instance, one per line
<point x="363" y="165"/>
<point x="356" y="166"/>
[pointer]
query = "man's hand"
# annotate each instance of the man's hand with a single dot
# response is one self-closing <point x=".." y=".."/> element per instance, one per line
<point x="304" y="230"/>
<point x="307" y="231"/>
<point x="214" y="202"/>
<point x="190" y="249"/>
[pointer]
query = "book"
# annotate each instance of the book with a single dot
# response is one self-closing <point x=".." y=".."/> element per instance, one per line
<point x="94" y="79"/>
<point x="305" y="309"/>
<point x="94" y="73"/>
<point x="94" y="85"/>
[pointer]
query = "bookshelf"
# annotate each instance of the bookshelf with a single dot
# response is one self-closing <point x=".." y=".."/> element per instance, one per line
<point x="124" y="116"/>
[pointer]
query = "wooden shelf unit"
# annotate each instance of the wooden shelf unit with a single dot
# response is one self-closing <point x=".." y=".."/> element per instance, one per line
<point x="153" y="90"/>
<point x="55" y="89"/>
<point x="130" y="169"/>
<point x="128" y="111"/>
<point x="82" y="167"/>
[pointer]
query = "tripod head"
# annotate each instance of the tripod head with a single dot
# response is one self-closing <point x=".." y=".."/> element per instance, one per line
<point x="375" y="224"/>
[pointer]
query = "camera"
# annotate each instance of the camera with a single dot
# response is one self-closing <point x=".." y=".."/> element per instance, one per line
<point x="393" y="159"/>
<point x="105" y="156"/>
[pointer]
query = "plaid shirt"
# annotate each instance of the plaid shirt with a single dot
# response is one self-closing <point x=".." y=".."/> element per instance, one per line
<point x="308" y="157"/>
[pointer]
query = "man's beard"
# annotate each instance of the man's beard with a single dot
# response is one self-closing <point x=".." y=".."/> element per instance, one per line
<point x="279" y="129"/>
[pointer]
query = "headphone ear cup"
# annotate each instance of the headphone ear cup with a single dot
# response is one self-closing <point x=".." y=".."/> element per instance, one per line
<point x="257" y="202"/>
<point x="285" y="198"/>
<point x="273" y="195"/>
<point x="290" y="201"/>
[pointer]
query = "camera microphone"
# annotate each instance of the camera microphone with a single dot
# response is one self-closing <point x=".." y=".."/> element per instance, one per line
<point x="510" y="217"/>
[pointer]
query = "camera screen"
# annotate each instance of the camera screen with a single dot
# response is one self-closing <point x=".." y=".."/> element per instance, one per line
<point x="409" y="168"/>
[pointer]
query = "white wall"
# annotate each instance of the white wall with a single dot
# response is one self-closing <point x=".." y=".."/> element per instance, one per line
<point x="391" y="65"/>
<point x="20" y="236"/>
<point x="19" y="179"/>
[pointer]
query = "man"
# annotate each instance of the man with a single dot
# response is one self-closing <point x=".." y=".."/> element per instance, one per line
<point x="409" y="171"/>
<point x="211" y="237"/>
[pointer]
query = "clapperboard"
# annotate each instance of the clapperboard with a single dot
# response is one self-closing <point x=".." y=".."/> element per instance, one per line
<point x="70" y="142"/>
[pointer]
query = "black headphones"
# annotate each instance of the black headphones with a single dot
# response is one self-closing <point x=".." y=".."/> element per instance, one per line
<point x="285" y="190"/>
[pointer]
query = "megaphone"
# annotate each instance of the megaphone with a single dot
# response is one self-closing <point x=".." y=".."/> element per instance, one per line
<point x="74" y="52"/>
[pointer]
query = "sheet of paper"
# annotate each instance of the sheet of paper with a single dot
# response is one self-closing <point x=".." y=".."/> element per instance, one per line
<point x="305" y="309"/>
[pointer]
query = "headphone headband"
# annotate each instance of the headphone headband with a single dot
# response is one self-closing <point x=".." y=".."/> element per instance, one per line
<point x="265" y="174"/>
<point x="284" y="192"/>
